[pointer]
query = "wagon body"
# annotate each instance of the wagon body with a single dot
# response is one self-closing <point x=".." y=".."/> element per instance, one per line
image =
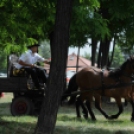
<point x="13" y="84"/>
<point x="26" y="100"/>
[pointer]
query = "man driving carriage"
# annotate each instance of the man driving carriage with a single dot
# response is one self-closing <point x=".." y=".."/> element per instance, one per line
<point x="28" y="60"/>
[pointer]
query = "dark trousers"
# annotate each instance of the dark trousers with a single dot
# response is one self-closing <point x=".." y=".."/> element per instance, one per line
<point x="37" y="75"/>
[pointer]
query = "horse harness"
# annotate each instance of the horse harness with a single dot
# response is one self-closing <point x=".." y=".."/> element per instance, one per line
<point x="118" y="82"/>
<point x="102" y="82"/>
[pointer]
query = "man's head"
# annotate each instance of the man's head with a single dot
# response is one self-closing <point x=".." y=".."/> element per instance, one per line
<point x="33" y="48"/>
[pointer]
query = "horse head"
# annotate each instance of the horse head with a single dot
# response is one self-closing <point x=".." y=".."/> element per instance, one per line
<point x="128" y="66"/>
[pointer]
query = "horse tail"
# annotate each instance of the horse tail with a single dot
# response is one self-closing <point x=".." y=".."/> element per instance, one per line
<point x="72" y="86"/>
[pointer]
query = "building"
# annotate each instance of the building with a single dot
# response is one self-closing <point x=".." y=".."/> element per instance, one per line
<point x="74" y="63"/>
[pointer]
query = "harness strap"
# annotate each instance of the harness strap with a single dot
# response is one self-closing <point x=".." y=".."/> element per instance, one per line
<point x="102" y="83"/>
<point x="118" y="85"/>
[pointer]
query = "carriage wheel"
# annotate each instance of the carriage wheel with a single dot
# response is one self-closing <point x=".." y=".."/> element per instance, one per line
<point x="21" y="106"/>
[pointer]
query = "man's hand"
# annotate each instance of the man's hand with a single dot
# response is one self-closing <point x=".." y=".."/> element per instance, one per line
<point x="32" y="65"/>
<point x="47" y="61"/>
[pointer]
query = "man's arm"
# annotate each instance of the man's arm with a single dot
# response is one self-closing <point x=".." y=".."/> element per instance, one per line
<point x="25" y="64"/>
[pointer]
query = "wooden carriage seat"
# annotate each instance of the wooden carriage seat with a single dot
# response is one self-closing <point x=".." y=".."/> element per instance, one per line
<point x="12" y="71"/>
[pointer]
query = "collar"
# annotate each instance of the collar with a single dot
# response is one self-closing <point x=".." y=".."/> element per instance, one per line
<point x="30" y="51"/>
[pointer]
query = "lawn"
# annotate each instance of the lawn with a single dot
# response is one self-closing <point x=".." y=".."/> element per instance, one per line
<point x="67" y="123"/>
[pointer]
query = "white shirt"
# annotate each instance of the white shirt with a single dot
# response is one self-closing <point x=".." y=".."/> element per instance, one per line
<point x="29" y="58"/>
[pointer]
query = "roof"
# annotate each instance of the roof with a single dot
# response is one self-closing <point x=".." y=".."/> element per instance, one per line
<point x="82" y="62"/>
<point x="72" y="62"/>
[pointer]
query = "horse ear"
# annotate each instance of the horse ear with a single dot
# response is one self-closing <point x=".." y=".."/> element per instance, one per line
<point x="129" y="58"/>
<point x="132" y="57"/>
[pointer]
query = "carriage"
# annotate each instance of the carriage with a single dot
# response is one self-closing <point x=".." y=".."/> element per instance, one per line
<point x="26" y="100"/>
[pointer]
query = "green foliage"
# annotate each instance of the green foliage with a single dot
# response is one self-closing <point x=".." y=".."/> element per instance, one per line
<point x="121" y="20"/>
<point x="99" y="27"/>
<point x="86" y="24"/>
<point x="10" y="48"/>
<point x="86" y="55"/>
<point x="86" y="3"/>
<point x="44" y="49"/>
<point x="118" y="57"/>
<point x="25" y="20"/>
<point x="3" y="61"/>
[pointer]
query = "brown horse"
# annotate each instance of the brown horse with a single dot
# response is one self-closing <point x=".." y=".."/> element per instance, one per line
<point x="95" y="82"/>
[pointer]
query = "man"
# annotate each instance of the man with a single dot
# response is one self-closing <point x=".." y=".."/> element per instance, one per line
<point x="28" y="59"/>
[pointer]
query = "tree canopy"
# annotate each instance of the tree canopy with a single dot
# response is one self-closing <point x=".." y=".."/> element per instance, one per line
<point x="25" y="22"/>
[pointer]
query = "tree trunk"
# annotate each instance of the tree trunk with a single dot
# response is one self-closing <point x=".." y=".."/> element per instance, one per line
<point x="99" y="56"/>
<point x="112" y="55"/>
<point x="105" y="51"/>
<point x="59" y="51"/>
<point x="94" y="47"/>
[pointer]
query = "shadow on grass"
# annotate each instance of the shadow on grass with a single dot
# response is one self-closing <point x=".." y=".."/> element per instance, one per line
<point x="16" y="127"/>
<point x="5" y="104"/>
<point x="71" y="130"/>
<point x="5" y="108"/>
<point x="72" y="118"/>
<point x="19" y="125"/>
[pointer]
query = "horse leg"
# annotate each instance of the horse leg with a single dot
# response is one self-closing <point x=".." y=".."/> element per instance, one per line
<point x="120" y="106"/>
<point x="125" y="103"/>
<point x="77" y="106"/>
<point x="79" y="103"/>
<point x="98" y="106"/>
<point x="90" y="110"/>
<point x="132" y="103"/>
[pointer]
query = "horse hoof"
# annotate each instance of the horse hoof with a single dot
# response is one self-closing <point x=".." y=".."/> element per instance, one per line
<point x="113" y="117"/>
<point x="109" y="118"/>
<point x="85" y="116"/>
<point x="78" y="116"/>
<point x="93" y="119"/>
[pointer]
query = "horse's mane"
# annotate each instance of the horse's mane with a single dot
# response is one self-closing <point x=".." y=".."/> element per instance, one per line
<point x="118" y="71"/>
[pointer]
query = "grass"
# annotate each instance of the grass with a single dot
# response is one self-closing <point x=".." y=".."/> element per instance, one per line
<point x="67" y="123"/>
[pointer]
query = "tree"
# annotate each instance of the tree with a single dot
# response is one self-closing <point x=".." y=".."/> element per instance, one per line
<point x="59" y="41"/>
<point x="120" y="22"/>
<point x="25" y="22"/>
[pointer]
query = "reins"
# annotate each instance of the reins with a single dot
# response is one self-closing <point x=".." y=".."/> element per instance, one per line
<point x="99" y="88"/>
